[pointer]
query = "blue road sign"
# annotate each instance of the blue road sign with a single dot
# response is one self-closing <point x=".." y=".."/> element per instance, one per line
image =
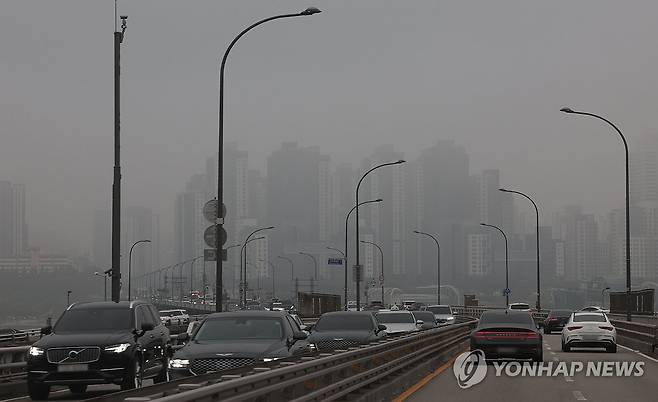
<point x="506" y="291"/>
<point x="335" y="261"/>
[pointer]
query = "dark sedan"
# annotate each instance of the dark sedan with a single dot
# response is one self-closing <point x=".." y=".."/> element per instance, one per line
<point x="342" y="329"/>
<point x="556" y="320"/>
<point x="507" y="334"/>
<point x="226" y="341"/>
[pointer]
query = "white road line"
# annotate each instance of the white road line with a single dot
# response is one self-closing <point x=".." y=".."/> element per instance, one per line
<point x="639" y="353"/>
<point x="568" y="379"/>
<point x="579" y="396"/>
<point x="552" y="353"/>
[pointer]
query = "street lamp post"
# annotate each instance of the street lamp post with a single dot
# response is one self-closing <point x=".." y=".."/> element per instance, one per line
<point x="104" y="275"/>
<point x="116" y="182"/>
<point x="438" y="264"/>
<point x="381" y="260"/>
<point x="537" y="216"/>
<point x="356" y="204"/>
<point x="244" y="252"/>
<point x="204" y="271"/>
<point x="347" y="218"/>
<point x="602" y="299"/>
<point x="292" y="276"/>
<point x="506" y="262"/>
<point x="315" y="263"/>
<point x="220" y="151"/>
<point x="130" y="260"/>
<point x="628" y="208"/>
<point x="68" y="298"/>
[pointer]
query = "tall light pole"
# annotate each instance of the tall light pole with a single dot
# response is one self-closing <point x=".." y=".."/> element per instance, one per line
<point x="438" y="264"/>
<point x="204" y="271"/>
<point x="68" y="298"/>
<point x="538" y="305"/>
<point x="602" y="299"/>
<point x="357" y="266"/>
<point x="116" y="183"/>
<point x="506" y="262"/>
<point x="244" y="252"/>
<point x="220" y="149"/>
<point x="130" y="261"/>
<point x="315" y="263"/>
<point x="381" y="260"/>
<point x="292" y="276"/>
<point x="347" y="218"/>
<point x="628" y="207"/>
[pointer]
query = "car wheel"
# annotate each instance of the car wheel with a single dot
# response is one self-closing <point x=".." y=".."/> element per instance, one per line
<point x="612" y="348"/>
<point x="38" y="391"/>
<point x="133" y="378"/>
<point x="547" y="331"/>
<point x="565" y="347"/>
<point x="539" y="357"/>
<point x="78" y="388"/>
<point x="163" y="376"/>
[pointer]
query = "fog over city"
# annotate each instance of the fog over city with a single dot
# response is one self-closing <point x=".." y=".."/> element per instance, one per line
<point x="489" y="76"/>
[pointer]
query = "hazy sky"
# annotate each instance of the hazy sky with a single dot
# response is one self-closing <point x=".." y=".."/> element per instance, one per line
<point x="490" y="74"/>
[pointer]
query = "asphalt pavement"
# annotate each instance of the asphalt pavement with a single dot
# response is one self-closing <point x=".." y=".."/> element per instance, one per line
<point x="63" y="394"/>
<point x="579" y="387"/>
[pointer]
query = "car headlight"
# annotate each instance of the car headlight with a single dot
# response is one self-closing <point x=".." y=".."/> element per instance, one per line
<point x="312" y="347"/>
<point x="451" y="318"/>
<point x="179" y="363"/>
<point x="35" y="351"/>
<point x="271" y="359"/>
<point x="120" y="348"/>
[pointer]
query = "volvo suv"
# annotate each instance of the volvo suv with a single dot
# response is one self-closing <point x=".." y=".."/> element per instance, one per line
<point x="100" y="343"/>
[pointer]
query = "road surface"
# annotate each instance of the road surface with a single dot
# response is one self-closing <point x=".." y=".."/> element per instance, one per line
<point x="538" y="389"/>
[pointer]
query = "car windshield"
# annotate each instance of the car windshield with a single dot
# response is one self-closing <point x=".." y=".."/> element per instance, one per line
<point x="560" y="313"/>
<point x="519" y="307"/>
<point x="589" y="318"/>
<point x="426" y="316"/>
<point x="347" y="322"/>
<point x="501" y="317"/>
<point x="439" y="309"/>
<point x="395" y="318"/>
<point x="240" y="328"/>
<point x="95" y="320"/>
<point x="591" y="309"/>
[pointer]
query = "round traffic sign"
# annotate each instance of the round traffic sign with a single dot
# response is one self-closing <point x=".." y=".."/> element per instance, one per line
<point x="210" y="211"/>
<point x="210" y="236"/>
<point x="381" y="278"/>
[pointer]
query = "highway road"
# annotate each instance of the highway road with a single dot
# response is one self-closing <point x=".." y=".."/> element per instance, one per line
<point x="63" y="393"/>
<point x="443" y="386"/>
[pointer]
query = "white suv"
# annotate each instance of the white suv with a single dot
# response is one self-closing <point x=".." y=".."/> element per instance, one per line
<point x="174" y="317"/>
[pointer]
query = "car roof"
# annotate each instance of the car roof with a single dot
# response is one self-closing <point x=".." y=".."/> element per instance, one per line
<point x="519" y="304"/>
<point x="589" y="313"/>
<point x="106" y="305"/>
<point x="394" y="312"/>
<point x="250" y="313"/>
<point x="172" y="310"/>
<point x="438" y="305"/>
<point x="351" y="313"/>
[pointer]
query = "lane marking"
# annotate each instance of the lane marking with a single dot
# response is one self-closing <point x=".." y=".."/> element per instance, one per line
<point x="552" y="352"/>
<point x="579" y="396"/>
<point x="406" y="394"/>
<point x="568" y="379"/>
<point x="639" y="353"/>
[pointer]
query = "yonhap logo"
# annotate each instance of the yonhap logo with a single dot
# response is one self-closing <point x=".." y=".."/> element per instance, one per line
<point x="470" y="368"/>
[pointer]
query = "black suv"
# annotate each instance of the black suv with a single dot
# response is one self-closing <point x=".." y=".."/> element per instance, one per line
<point x="227" y="341"/>
<point x="100" y="343"/>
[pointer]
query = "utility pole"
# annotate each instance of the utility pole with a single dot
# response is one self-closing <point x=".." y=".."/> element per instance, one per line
<point x="116" y="185"/>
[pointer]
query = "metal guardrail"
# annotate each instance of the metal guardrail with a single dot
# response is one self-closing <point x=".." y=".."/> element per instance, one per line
<point x="327" y="376"/>
<point x="13" y="363"/>
<point x="20" y="337"/>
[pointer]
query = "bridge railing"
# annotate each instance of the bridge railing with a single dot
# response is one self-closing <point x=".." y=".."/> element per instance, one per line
<point x="22" y="337"/>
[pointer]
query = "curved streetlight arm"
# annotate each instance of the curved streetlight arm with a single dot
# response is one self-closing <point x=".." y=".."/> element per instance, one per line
<point x="341" y="252"/>
<point x="537" y="240"/>
<point x="130" y="260"/>
<point x="628" y="208"/>
<point x="438" y="263"/>
<point x="506" y="259"/>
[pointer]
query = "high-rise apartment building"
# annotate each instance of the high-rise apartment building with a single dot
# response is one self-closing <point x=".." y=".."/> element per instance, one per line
<point x="13" y="223"/>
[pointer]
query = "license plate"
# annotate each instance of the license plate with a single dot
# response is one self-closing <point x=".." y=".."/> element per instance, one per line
<point x="72" y="367"/>
<point x="506" y="350"/>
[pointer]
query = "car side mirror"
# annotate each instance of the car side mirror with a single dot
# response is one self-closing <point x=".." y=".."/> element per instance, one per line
<point x="147" y="326"/>
<point x="183" y="337"/>
<point x="47" y="330"/>
<point x="420" y="322"/>
<point x="299" y="335"/>
<point x="310" y="328"/>
<point x="305" y="328"/>
<point x="381" y="327"/>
